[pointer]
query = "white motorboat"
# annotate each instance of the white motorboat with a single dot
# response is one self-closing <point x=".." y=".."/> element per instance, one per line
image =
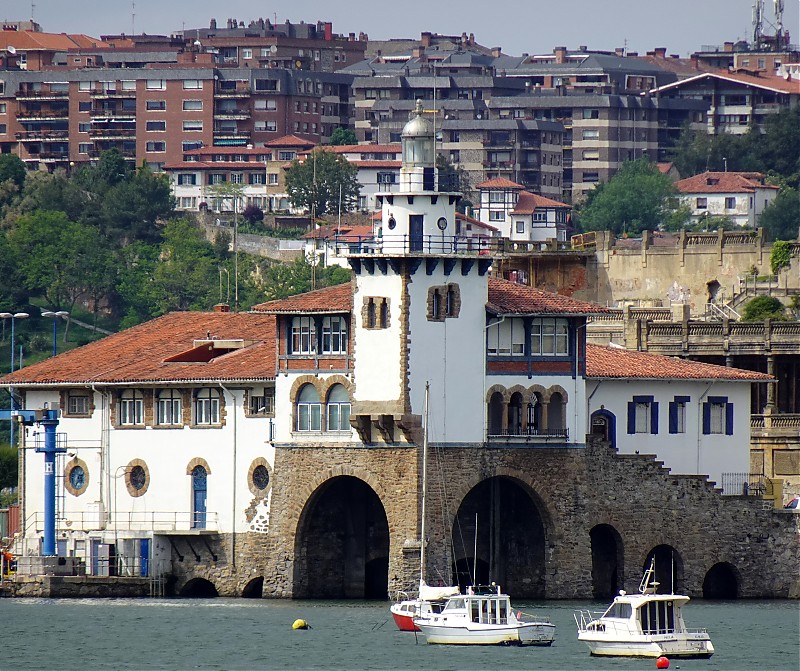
<point x="643" y="625"/>
<point x="483" y="616"/>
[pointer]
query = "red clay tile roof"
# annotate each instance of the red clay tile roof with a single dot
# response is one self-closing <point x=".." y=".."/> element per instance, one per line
<point x="138" y="354"/>
<point x="367" y="148"/>
<point x="723" y="182"/>
<point x="773" y="83"/>
<point x="511" y="298"/>
<point x="28" y="40"/>
<point x="615" y="362"/>
<point x="335" y="299"/>
<point x="290" y="141"/>
<point x="375" y="164"/>
<point x="474" y="222"/>
<point x="664" y="168"/>
<point x="528" y="203"/>
<point x="499" y="183"/>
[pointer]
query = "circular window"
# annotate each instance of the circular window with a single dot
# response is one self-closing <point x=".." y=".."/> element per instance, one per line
<point x="260" y="477"/>
<point x="76" y="477"/>
<point x="442" y="223"/>
<point x="138" y="478"/>
<point x="392" y="222"/>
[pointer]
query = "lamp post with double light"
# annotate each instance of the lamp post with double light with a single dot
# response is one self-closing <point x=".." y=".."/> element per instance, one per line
<point x="13" y="316"/>
<point x="55" y="316"/>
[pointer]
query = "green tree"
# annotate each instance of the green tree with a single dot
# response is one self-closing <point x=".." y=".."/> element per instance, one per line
<point x="12" y="168"/>
<point x="454" y="178"/>
<point x="9" y="460"/>
<point x="13" y="294"/>
<point x="133" y="208"/>
<point x="135" y="287"/>
<point x="781" y="218"/>
<point x="343" y="136"/>
<point x="777" y="150"/>
<point x="763" y="307"/>
<point x="322" y="182"/>
<point x="55" y="256"/>
<point x="637" y="198"/>
<point x="288" y="279"/>
<point x="59" y="193"/>
<point x="186" y="277"/>
<point x="111" y="169"/>
<point x="780" y="257"/>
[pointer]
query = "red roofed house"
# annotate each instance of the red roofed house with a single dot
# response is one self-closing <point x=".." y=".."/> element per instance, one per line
<point x="278" y="452"/>
<point x="738" y="196"/>
<point x="522" y="216"/>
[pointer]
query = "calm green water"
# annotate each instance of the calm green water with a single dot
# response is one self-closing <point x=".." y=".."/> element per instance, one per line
<point x="244" y="634"/>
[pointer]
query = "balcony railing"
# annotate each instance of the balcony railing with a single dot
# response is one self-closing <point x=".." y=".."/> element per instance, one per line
<point x="41" y="95"/>
<point x="152" y="521"/>
<point x="743" y="484"/>
<point x="527" y="435"/>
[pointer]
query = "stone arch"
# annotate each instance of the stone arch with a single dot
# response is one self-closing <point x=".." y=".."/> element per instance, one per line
<point x="513" y="521"/>
<point x="333" y="380"/>
<point x="496" y="389"/>
<point x="557" y="389"/>
<point x="302" y="380"/>
<point x="669" y="568"/>
<point x="198" y="461"/>
<point x="198" y="588"/>
<point x="254" y="589"/>
<point x="722" y="581"/>
<point x="608" y="554"/>
<point x="342" y="540"/>
<point x="129" y="485"/>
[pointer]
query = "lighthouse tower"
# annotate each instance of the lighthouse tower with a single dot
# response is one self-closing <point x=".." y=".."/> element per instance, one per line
<point x="419" y="310"/>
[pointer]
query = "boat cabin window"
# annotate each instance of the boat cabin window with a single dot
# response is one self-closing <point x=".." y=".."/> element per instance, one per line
<point x="620" y="610"/>
<point x="657" y="617"/>
<point x="455" y="603"/>
<point x="489" y="611"/>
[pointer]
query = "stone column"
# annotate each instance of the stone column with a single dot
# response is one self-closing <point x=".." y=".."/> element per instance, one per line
<point x="772" y="387"/>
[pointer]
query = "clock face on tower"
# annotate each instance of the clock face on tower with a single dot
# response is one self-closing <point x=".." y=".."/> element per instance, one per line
<point x="442" y="223"/>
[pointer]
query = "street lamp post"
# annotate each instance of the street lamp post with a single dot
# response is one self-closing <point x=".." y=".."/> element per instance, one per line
<point x="55" y="316"/>
<point x="13" y="317"/>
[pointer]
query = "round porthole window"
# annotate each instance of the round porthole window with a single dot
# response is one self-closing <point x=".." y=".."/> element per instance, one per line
<point x="76" y="477"/>
<point x="442" y="223"/>
<point x="260" y="477"/>
<point x="392" y="223"/>
<point x="138" y="478"/>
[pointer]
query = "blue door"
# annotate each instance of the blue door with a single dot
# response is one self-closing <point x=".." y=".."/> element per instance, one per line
<point x="415" y="232"/>
<point x="199" y="493"/>
<point x="144" y="557"/>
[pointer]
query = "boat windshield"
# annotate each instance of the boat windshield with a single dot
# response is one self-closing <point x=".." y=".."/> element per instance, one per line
<point x="619" y="610"/>
<point x="453" y="604"/>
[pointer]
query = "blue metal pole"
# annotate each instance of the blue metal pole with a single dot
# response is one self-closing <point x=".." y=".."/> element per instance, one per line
<point x="50" y="422"/>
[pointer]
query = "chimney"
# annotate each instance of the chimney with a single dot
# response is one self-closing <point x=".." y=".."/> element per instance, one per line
<point x="620" y="51"/>
<point x="425" y="39"/>
<point x="695" y="61"/>
<point x="496" y="52"/>
<point x="661" y="52"/>
<point x="582" y="48"/>
<point x="222" y="307"/>
<point x="328" y="31"/>
<point x="472" y="39"/>
<point x="213" y="24"/>
<point x="418" y="52"/>
<point x="560" y="54"/>
<point x="727" y="47"/>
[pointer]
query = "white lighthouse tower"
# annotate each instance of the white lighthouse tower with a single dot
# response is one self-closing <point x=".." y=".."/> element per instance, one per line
<point x="419" y="310"/>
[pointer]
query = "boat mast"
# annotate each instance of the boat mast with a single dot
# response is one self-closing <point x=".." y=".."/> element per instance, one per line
<point x="424" y="486"/>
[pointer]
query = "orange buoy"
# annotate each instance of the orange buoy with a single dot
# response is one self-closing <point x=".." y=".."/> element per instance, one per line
<point x="662" y="663"/>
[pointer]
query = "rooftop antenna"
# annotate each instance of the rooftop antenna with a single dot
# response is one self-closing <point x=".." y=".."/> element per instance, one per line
<point x="33" y="9"/>
<point x="133" y="17"/>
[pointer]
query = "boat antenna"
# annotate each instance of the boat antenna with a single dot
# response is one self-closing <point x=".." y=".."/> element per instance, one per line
<point x="475" y="554"/>
<point x="424" y="486"/>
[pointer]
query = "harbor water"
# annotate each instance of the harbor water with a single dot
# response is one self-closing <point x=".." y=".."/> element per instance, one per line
<point x="230" y="634"/>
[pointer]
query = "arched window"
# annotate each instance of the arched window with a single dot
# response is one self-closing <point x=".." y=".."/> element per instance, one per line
<point x="168" y="411"/>
<point x="496" y="414"/>
<point x="199" y="496"/>
<point x="206" y="406"/>
<point x="555" y="414"/>
<point x="515" y="414"/>
<point x="309" y="409"/>
<point x="338" y="409"/>
<point x="535" y="414"/>
<point x="131" y="408"/>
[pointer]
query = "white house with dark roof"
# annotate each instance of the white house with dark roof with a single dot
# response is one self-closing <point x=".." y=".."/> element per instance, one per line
<point x="738" y="196"/>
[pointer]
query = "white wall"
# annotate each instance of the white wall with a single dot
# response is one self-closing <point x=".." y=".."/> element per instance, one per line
<point x="691" y="453"/>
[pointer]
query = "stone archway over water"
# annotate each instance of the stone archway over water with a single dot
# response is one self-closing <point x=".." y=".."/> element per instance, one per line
<point x="254" y="589"/>
<point x="669" y="569"/>
<point x="198" y="588"/>
<point x="342" y="543"/>
<point x="510" y="539"/>
<point x="721" y="582"/>
<point x="607" y="561"/>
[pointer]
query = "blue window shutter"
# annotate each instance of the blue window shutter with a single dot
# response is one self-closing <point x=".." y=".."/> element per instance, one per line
<point x="673" y="417"/>
<point x="653" y="417"/>
<point x="631" y="417"/>
<point x="706" y="419"/>
<point x="729" y="419"/>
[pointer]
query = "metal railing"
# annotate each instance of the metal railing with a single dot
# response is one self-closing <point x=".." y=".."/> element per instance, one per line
<point x="152" y="521"/>
<point x="531" y="435"/>
<point x="744" y="484"/>
<point x="721" y="311"/>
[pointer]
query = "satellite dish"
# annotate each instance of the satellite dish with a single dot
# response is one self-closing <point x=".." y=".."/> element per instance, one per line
<point x="197" y="43"/>
<point x="11" y="50"/>
<point x="273" y="49"/>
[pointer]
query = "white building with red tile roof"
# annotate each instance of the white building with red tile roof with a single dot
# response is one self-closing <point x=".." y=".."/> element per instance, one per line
<point x="738" y="196"/>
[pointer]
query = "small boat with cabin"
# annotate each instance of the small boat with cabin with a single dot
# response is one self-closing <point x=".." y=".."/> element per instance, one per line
<point x="483" y="616"/>
<point x="647" y="624"/>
